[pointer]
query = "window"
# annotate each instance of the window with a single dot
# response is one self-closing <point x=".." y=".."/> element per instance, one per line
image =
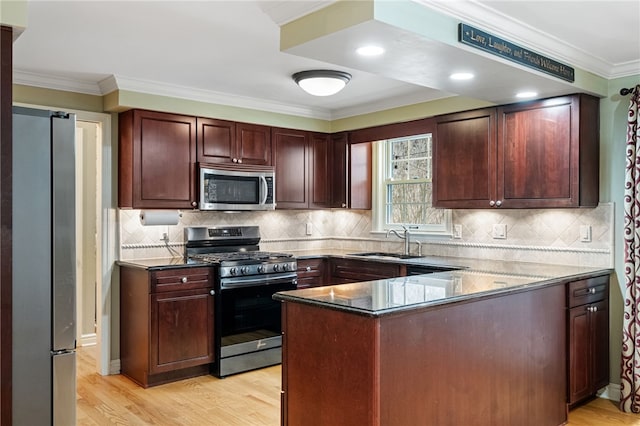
<point x="404" y="175"/>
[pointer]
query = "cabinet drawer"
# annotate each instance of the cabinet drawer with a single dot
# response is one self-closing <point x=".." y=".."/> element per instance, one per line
<point x="349" y="270"/>
<point x="588" y="291"/>
<point x="311" y="272"/>
<point x="310" y="267"/>
<point x="181" y="279"/>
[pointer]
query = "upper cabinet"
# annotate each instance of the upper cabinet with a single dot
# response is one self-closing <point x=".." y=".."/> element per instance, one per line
<point x="291" y="162"/>
<point x="157" y="154"/>
<point x="529" y="155"/>
<point x="319" y="170"/>
<point x="221" y="141"/>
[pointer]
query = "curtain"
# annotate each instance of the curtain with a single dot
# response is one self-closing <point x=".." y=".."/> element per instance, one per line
<point x="630" y="380"/>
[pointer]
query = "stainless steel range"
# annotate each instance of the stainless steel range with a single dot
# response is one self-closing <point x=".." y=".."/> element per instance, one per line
<point x="247" y="319"/>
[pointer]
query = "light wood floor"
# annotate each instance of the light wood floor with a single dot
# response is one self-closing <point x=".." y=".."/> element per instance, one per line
<point x="245" y="399"/>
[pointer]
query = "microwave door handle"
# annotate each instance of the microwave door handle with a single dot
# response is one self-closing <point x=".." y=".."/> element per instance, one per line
<point x="265" y="190"/>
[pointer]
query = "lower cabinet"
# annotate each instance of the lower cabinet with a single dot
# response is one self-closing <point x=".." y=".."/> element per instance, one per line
<point x="343" y="271"/>
<point x="311" y="272"/>
<point x="166" y="324"/>
<point x="588" y="334"/>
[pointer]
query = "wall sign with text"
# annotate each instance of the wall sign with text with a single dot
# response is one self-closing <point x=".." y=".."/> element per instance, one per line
<point x="495" y="45"/>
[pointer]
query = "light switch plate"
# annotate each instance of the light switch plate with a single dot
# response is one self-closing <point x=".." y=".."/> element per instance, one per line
<point x="500" y="231"/>
<point x="309" y="228"/>
<point x="457" y="231"/>
<point x="585" y="233"/>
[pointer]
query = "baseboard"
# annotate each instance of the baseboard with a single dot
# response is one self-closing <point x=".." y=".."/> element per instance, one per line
<point x="611" y="391"/>
<point x="114" y="366"/>
<point x="90" y="339"/>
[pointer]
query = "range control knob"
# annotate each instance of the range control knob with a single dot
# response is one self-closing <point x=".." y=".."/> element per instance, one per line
<point x="244" y="270"/>
<point x="261" y="269"/>
<point x="285" y="266"/>
<point x="276" y="268"/>
<point x="233" y="271"/>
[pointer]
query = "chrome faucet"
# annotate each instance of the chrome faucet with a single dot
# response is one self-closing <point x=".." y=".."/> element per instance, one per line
<point x="406" y="236"/>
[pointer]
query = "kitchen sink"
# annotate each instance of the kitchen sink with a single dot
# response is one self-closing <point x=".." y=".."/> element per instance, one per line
<point x="378" y="254"/>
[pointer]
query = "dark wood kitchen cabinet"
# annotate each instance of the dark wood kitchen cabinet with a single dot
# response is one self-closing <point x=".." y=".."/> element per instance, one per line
<point x="166" y="324"/>
<point x="342" y="271"/>
<point x="156" y="160"/>
<point x="221" y="141"/>
<point x="588" y="329"/>
<point x="291" y="162"/>
<point x="303" y="170"/>
<point x="320" y="170"/>
<point x="351" y="177"/>
<point x="312" y="272"/>
<point x="528" y="155"/>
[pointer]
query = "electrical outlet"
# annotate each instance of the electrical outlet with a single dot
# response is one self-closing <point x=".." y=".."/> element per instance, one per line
<point x="309" y="228"/>
<point x="457" y="231"/>
<point x="585" y="233"/>
<point x="500" y="231"/>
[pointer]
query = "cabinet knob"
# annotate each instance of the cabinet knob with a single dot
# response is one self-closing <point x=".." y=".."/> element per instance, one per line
<point x="235" y="160"/>
<point x="308" y="268"/>
<point x="194" y="204"/>
<point x="492" y="203"/>
<point x="592" y="290"/>
<point x="344" y="205"/>
<point x="239" y="160"/>
<point x="183" y="279"/>
<point x="212" y="292"/>
<point x="498" y="203"/>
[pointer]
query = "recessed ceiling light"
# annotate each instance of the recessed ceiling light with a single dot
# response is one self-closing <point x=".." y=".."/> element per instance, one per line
<point x="370" y="50"/>
<point x="526" y="95"/>
<point x="461" y="76"/>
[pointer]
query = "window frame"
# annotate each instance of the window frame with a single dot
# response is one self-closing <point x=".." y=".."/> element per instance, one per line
<point x="380" y="165"/>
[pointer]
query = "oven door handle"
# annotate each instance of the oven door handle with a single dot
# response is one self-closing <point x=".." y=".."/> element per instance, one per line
<point x="229" y="283"/>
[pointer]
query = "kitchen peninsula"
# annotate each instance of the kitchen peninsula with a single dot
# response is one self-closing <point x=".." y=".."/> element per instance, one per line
<point x="451" y="348"/>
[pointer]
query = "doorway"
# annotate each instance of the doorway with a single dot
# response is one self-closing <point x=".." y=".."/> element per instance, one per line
<point x="88" y="136"/>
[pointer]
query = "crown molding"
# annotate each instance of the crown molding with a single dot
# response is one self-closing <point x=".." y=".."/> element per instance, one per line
<point x="48" y="81"/>
<point x="213" y="97"/>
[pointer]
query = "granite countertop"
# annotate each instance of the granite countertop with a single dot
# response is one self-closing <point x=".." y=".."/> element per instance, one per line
<point x="472" y="278"/>
<point x="159" y="263"/>
<point x="475" y="278"/>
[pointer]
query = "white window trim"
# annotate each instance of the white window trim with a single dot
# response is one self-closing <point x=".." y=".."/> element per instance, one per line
<point x="378" y="201"/>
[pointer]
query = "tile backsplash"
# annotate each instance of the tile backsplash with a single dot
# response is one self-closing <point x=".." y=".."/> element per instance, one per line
<point x="532" y="235"/>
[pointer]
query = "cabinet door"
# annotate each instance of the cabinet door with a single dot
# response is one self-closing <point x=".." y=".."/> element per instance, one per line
<point x="538" y="154"/>
<point x="360" y="176"/>
<point x="579" y="354"/>
<point x="216" y="141"/>
<point x="291" y="162"/>
<point x="600" y="344"/>
<point x="157" y="160"/>
<point x="181" y="330"/>
<point x="319" y="171"/>
<point x="465" y="159"/>
<point x="339" y="174"/>
<point x="253" y="144"/>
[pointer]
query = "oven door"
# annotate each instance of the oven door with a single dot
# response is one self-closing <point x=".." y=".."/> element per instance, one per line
<point x="248" y="323"/>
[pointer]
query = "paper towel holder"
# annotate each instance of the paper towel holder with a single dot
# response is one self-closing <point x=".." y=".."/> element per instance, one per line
<point x="159" y="217"/>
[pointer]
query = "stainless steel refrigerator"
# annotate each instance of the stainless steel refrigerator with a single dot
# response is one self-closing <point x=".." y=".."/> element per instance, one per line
<point x="44" y="262"/>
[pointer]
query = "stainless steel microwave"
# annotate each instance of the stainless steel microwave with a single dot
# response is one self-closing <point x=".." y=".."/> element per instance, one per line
<point x="236" y="187"/>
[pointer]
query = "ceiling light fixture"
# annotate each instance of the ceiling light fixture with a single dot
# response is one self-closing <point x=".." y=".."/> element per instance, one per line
<point x="321" y="82"/>
<point x="461" y="76"/>
<point x="370" y="50"/>
<point x="523" y="95"/>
